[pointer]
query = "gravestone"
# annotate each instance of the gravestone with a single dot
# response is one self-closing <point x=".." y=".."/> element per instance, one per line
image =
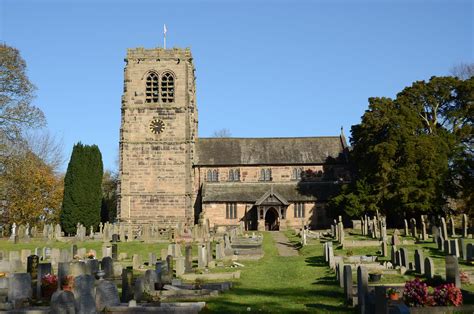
<point x="83" y="290"/>
<point x="149" y="280"/>
<point x="384" y="249"/>
<point x="395" y="238"/>
<point x="404" y="257"/>
<point x="32" y="268"/>
<point x="62" y="302"/>
<point x="454" y="247"/>
<point x="331" y="257"/>
<point x="413" y="228"/>
<point x="19" y="288"/>
<point x="202" y="256"/>
<point x="81" y="252"/>
<point x="106" y="295"/>
<point x="453" y="228"/>
<point x="136" y="261"/>
<point x="381" y="304"/>
<point x="362" y="288"/>
<point x="444" y="229"/>
<point x="92" y="266"/>
<point x="462" y="248"/>
<point x="127" y="283"/>
<point x="348" y="283"/>
<point x="465" y="226"/>
<point x="440" y="242"/>
<point x="419" y="262"/>
<point x="64" y="256"/>
<point x="188" y="263"/>
<point x="24" y="256"/>
<point x="393" y="253"/>
<point x="469" y="252"/>
<point x="435" y="233"/>
<point x="180" y="265"/>
<point x="115" y="250"/>
<point x="139" y="289"/>
<point x="169" y="267"/>
<point x="452" y="270"/>
<point x="340" y="273"/>
<point x="77" y="268"/>
<point x="424" y="235"/>
<point x="159" y="270"/>
<point x="447" y="247"/>
<point x="151" y="259"/>
<point x="429" y="267"/>
<point x="73" y="250"/>
<point x="107" y="266"/>
<point x="63" y="271"/>
<point x="406" y="227"/>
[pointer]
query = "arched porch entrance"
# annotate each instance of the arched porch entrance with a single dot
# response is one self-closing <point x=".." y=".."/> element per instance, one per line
<point x="272" y="220"/>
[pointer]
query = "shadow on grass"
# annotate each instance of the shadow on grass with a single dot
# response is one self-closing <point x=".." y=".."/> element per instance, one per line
<point x="315" y="261"/>
<point x="277" y="301"/>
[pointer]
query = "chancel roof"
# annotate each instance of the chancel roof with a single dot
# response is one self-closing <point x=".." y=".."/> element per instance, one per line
<point x="254" y="192"/>
<point x="269" y="151"/>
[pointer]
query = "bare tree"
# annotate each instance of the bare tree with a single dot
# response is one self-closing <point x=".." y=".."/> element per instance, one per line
<point x="47" y="147"/>
<point x="222" y="133"/>
<point x="463" y="71"/>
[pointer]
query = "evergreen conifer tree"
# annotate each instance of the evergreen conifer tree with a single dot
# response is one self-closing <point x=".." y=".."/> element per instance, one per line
<point x="82" y="188"/>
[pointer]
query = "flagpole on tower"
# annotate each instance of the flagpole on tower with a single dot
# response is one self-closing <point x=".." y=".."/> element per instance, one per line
<point x="164" y="35"/>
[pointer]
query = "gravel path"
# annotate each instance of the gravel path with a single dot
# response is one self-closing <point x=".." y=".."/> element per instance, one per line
<point x="285" y="248"/>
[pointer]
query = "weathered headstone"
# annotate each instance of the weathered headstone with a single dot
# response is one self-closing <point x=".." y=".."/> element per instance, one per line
<point x="107" y="266"/>
<point x="348" y="283"/>
<point x="180" y="265"/>
<point x="444" y="229"/>
<point x="362" y="288"/>
<point x="106" y="295"/>
<point x="159" y="270"/>
<point x="127" y="282"/>
<point x="92" y="266"/>
<point x="393" y="252"/>
<point x="331" y="257"/>
<point x="404" y="257"/>
<point x="447" y="247"/>
<point x="469" y="252"/>
<point x="136" y="261"/>
<point x="381" y="304"/>
<point x="115" y="250"/>
<point x="149" y="280"/>
<point x="452" y="270"/>
<point x="419" y="262"/>
<point x="151" y="259"/>
<point x="406" y="227"/>
<point x="435" y="233"/>
<point x="454" y="247"/>
<point x="429" y="267"/>
<point x="462" y="248"/>
<point x="19" y="288"/>
<point x="413" y="228"/>
<point x="188" y="263"/>
<point x="32" y="268"/>
<point x="384" y="249"/>
<point x="453" y="227"/>
<point x="84" y="294"/>
<point x="62" y="302"/>
<point x="202" y="256"/>
<point x="465" y="226"/>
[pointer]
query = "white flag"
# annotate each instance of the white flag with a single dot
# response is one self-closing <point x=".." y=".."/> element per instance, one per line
<point x="164" y="29"/>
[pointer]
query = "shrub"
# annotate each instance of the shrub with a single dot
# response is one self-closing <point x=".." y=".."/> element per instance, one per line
<point x="447" y="295"/>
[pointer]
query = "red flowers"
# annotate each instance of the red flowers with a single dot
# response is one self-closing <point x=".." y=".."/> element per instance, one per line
<point x="416" y="294"/>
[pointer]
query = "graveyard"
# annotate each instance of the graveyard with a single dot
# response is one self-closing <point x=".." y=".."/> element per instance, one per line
<point x="211" y="270"/>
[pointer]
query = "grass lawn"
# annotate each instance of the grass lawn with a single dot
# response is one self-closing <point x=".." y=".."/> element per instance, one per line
<point x="277" y="284"/>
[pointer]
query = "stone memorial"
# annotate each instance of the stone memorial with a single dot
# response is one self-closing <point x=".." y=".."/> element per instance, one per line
<point x="362" y="288"/>
<point x="107" y="265"/>
<point x="429" y="267"/>
<point x="19" y="289"/>
<point x="62" y="302"/>
<point x="106" y="295"/>
<point x="348" y="283"/>
<point x="419" y="262"/>
<point x="83" y="290"/>
<point x="127" y="285"/>
<point x="452" y="270"/>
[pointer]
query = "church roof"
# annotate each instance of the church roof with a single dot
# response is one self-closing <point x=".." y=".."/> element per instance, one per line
<point x="269" y="151"/>
<point x="253" y="192"/>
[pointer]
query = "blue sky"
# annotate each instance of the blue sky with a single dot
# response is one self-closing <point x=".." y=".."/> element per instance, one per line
<point x="264" y="68"/>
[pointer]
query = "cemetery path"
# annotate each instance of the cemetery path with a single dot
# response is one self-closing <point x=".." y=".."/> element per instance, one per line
<point x="284" y="246"/>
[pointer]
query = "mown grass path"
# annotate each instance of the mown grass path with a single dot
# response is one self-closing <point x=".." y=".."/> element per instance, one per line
<point x="283" y="284"/>
<point x="284" y="247"/>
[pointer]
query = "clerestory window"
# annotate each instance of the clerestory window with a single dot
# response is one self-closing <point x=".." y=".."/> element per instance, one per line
<point x="266" y="174"/>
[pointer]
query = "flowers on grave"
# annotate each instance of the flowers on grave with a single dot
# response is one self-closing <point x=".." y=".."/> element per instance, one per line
<point x="464" y="276"/>
<point x="415" y="293"/>
<point x="447" y="295"/>
<point x="2" y="274"/>
<point x="392" y="294"/>
<point x="49" y="280"/>
<point x="90" y="255"/>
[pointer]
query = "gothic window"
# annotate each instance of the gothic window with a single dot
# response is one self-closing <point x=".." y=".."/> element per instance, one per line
<point x="167" y="88"/>
<point x="266" y="174"/>
<point x="209" y="175"/>
<point x="296" y="175"/>
<point x="152" y="88"/>
<point x="299" y="210"/>
<point x="215" y="175"/>
<point x="231" y="210"/>
<point x="234" y="175"/>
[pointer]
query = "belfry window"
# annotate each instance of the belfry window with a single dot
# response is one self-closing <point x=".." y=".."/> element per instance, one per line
<point x="152" y="88"/>
<point x="167" y="88"/>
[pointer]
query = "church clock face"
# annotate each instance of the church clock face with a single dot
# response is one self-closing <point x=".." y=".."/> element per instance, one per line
<point x="157" y="126"/>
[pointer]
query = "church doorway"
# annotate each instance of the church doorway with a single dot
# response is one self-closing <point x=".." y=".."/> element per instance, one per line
<point x="272" y="222"/>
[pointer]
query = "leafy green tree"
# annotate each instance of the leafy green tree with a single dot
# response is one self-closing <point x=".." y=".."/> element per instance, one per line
<point x="411" y="153"/>
<point x="82" y="188"/>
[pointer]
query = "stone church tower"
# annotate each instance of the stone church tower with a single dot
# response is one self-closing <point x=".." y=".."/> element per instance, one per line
<point x="157" y="137"/>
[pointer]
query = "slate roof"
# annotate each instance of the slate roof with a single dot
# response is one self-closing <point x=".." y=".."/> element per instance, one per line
<point x="252" y="192"/>
<point x="268" y="151"/>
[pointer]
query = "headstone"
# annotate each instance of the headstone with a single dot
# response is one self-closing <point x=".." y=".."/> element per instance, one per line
<point x="188" y="263"/>
<point x="32" y="268"/>
<point x="395" y="238"/>
<point x="440" y="242"/>
<point x="469" y="252"/>
<point x="92" y="266"/>
<point x="63" y="271"/>
<point x="77" y="269"/>
<point x="453" y="228"/>
<point x="62" y="302"/>
<point x="419" y="262"/>
<point x="202" y="256"/>
<point x="393" y="253"/>
<point x="348" y="283"/>
<point x="151" y="258"/>
<point x="454" y="247"/>
<point x="331" y="257"/>
<point x="429" y="267"/>
<point x="136" y="261"/>
<point x="435" y="232"/>
<point x="362" y="288"/>
<point x="149" y="280"/>
<point x="107" y="266"/>
<point x="43" y="270"/>
<point x="139" y="289"/>
<point x="404" y="257"/>
<point x="381" y="304"/>
<point x="462" y="248"/>
<point x="127" y="282"/>
<point x="180" y="269"/>
<point x="444" y="228"/>
<point x="340" y="272"/>
<point x="447" y="247"/>
<point x="84" y="294"/>
<point x="465" y="226"/>
<point x="406" y="227"/>
<point x="384" y="249"/>
<point x="169" y="267"/>
<point x="19" y="288"/>
<point x="115" y="250"/>
<point x="452" y="270"/>
<point x="106" y="295"/>
<point x="424" y="235"/>
<point x="208" y="252"/>
<point x="413" y="228"/>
